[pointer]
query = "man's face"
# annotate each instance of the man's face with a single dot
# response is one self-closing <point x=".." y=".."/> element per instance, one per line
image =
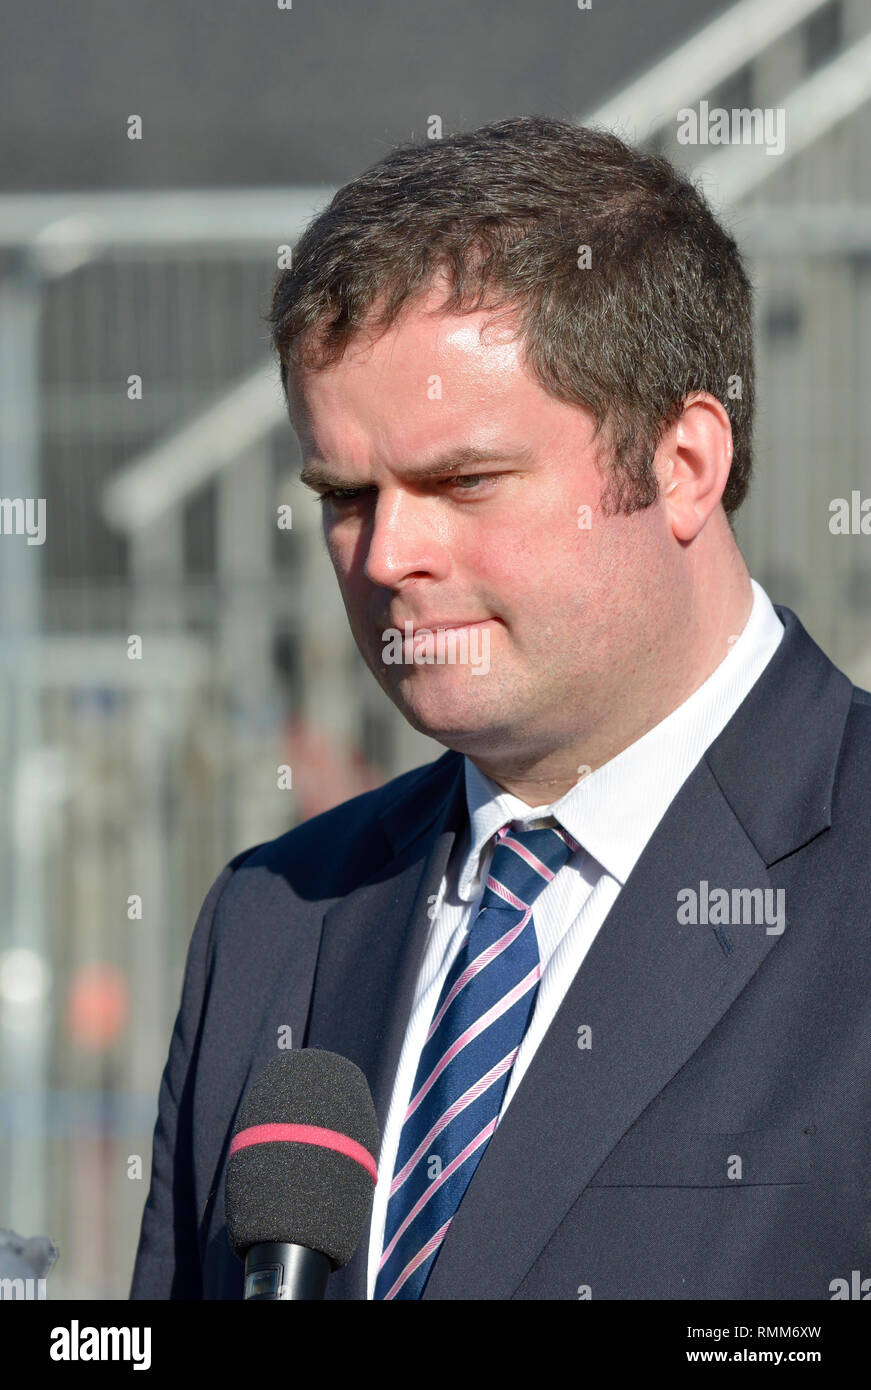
<point x="570" y="608"/>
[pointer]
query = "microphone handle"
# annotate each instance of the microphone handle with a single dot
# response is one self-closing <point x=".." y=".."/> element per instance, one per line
<point x="278" y="1270"/>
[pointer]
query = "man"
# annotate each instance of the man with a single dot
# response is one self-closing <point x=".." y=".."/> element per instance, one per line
<point x="605" y="963"/>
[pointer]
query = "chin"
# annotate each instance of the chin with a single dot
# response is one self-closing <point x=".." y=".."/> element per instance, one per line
<point x="452" y="722"/>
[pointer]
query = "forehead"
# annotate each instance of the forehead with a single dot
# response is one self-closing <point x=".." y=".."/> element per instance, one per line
<point x="423" y="329"/>
<point x="428" y="369"/>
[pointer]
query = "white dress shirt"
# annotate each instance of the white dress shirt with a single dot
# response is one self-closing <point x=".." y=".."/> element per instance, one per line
<point x="612" y="813"/>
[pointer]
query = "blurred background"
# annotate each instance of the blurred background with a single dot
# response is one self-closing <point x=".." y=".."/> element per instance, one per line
<point x="139" y="399"/>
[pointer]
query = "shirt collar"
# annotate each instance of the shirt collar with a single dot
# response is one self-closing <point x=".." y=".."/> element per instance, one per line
<point x="613" y="811"/>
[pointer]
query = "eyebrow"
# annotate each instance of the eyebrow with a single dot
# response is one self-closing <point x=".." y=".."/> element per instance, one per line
<point x="316" y="474"/>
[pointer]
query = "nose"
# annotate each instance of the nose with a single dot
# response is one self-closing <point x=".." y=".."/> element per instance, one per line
<point x="404" y="540"/>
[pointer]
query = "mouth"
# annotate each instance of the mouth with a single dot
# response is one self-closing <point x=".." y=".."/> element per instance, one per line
<point x="442" y="641"/>
<point x="449" y="625"/>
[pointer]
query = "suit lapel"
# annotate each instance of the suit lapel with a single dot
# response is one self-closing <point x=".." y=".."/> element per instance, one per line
<point x="368" y="955"/>
<point x="650" y="988"/>
<point x="371" y="947"/>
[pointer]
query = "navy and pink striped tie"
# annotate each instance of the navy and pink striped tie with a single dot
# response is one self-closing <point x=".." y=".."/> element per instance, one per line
<point x="479" y="1021"/>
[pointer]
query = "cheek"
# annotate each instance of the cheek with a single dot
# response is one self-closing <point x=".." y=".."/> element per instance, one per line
<point x="523" y="563"/>
<point x="342" y="546"/>
<point x="504" y="549"/>
<point x="348" y="577"/>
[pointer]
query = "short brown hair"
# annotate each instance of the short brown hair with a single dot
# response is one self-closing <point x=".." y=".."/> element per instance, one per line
<point x="664" y="309"/>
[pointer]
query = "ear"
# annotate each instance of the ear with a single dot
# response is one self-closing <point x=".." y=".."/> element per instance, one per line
<point x="692" y="462"/>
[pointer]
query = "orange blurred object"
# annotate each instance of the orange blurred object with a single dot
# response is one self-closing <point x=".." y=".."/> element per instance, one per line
<point x="325" y="773"/>
<point x="97" y="1005"/>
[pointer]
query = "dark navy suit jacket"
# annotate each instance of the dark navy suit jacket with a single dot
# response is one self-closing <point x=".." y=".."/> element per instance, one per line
<point x="613" y="1173"/>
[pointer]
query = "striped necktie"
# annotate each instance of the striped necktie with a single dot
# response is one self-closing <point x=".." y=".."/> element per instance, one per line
<point x="479" y="1021"/>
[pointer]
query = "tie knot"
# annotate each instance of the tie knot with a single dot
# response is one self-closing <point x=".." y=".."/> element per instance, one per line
<point x="524" y="862"/>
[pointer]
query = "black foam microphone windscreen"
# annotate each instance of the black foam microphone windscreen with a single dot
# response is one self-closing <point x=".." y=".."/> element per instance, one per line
<point x="303" y="1159"/>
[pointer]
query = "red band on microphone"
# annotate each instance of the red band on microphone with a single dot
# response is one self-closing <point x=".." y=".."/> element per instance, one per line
<point x="306" y="1134"/>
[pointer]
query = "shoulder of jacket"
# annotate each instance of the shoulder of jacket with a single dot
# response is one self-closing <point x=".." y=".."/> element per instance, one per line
<point x="352" y="823"/>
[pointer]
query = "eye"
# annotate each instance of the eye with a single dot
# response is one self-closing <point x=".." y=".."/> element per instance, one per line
<point x="475" y="478"/>
<point x="346" y="495"/>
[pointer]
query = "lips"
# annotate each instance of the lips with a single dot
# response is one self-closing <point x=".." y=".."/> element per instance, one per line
<point x="443" y="624"/>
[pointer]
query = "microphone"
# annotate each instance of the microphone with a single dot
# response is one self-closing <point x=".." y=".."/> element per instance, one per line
<point x="301" y="1174"/>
